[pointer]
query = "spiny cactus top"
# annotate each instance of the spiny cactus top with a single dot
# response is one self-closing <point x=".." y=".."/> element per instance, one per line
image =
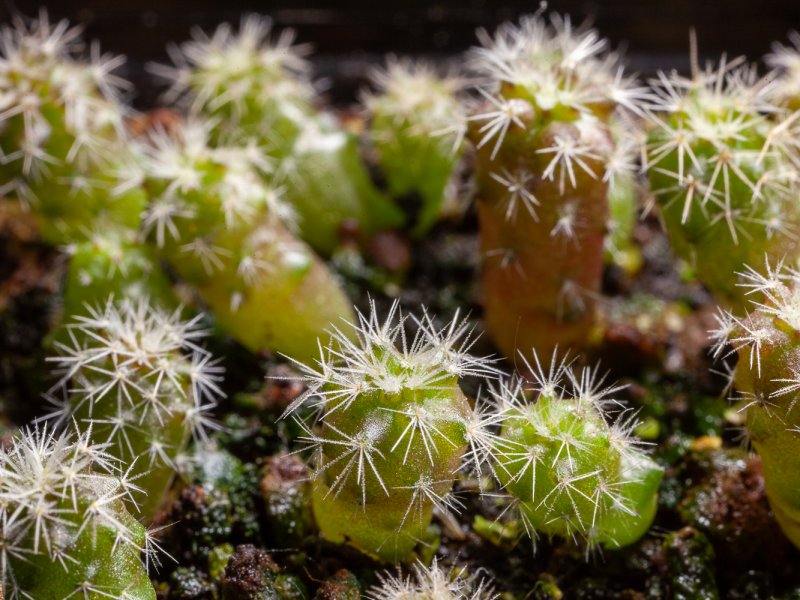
<point x="720" y="166"/>
<point x="768" y="382"/>
<point x="431" y="583"/>
<point x="255" y="87"/>
<point x="225" y="232"/>
<point x="417" y="127"/>
<point x="136" y="378"/>
<point x="62" y="130"/>
<point x="391" y="428"/>
<point x="786" y="62"/>
<point x="567" y="470"/>
<point x="65" y="531"/>
<point x="545" y="157"/>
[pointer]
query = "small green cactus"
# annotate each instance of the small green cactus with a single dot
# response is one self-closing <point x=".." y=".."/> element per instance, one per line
<point x="785" y="60"/>
<point x="721" y="172"/>
<point x="545" y="156"/>
<point x="431" y="583"/>
<point x="135" y="378"/>
<point x="257" y="90"/>
<point x="62" y="131"/>
<point x="767" y="381"/>
<point x="568" y="471"/>
<point x="224" y="232"/>
<point x="417" y="127"/>
<point x="65" y="531"/>
<point x="391" y="428"/>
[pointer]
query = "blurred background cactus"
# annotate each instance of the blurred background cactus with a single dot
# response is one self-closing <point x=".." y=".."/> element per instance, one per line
<point x="416" y="127"/>
<point x="547" y="94"/>
<point x="785" y="60"/>
<point x="65" y="531"/>
<point x="254" y="86"/>
<point x="227" y="234"/>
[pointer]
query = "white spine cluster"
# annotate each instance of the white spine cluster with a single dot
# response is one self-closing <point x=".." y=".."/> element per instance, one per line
<point x="431" y="583"/>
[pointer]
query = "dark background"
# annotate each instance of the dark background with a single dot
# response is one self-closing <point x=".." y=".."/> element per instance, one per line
<point x="351" y="35"/>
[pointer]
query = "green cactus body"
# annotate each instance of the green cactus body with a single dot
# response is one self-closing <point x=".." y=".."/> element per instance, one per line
<point x="767" y="382"/>
<point x="62" y="132"/>
<point x="785" y="60"/>
<point x="221" y="229"/>
<point x="391" y="430"/>
<point x="720" y="173"/>
<point x="416" y="129"/>
<point x="623" y="199"/>
<point x="65" y="529"/>
<point x="544" y="159"/>
<point x="112" y="263"/>
<point x="135" y="379"/>
<point x="570" y="473"/>
<point x="257" y="91"/>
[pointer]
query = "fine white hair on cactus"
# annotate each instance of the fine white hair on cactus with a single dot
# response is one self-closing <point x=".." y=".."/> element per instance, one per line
<point x="222" y="69"/>
<point x="142" y="360"/>
<point x="431" y="583"/>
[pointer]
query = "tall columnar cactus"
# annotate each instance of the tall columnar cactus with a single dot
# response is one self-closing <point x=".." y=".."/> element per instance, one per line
<point x="767" y="381"/>
<point x="786" y="62"/>
<point x="134" y="378"/>
<point x="257" y="90"/>
<point x="568" y="471"/>
<point x="417" y="125"/>
<point x="720" y="168"/>
<point x="62" y="131"/>
<point x="65" y="531"/>
<point x="391" y="429"/>
<point x="431" y="583"/>
<point x="223" y="230"/>
<point x="544" y="159"/>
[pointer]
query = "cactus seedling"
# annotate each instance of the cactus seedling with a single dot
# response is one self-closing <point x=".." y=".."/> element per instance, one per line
<point x="568" y="471"/>
<point x="544" y="159"/>
<point x="62" y="131"/>
<point x="65" y="531"/>
<point x="786" y="62"/>
<point x="134" y="377"/>
<point x="222" y="229"/>
<point x="416" y="127"/>
<point x="721" y="171"/>
<point x="431" y="583"/>
<point x="767" y="381"/>
<point x="392" y="427"/>
<point x="257" y="90"/>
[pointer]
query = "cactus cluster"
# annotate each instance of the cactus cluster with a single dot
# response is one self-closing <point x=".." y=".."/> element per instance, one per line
<point x="722" y="166"/>
<point x="256" y="90"/>
<point x="65" y="531"/>
<point x="767" y="382"/>
<point x="545" y="158"/>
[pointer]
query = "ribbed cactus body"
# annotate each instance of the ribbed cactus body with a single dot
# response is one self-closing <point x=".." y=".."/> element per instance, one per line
<point x="62" y="132"/>
<point x="391" y="430"/>
<point x="416" y="129"/>
<point x="135" y="379"/>
<point x="223" y="231"/>
<point x="544" y="159"/>
<point x="257" y="90"/>
<point x="570" y="473"/>
<point x="720" y="171"/>
<point x="65" y="528"/>
<point x="767" y="382"/>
